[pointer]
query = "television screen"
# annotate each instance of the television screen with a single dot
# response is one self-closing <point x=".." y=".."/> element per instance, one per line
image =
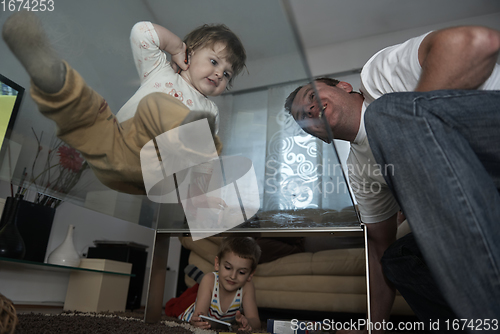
<point x="11" y="95"/>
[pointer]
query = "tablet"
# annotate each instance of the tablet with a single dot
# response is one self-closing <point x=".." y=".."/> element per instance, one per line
<point x="217" y="324"/>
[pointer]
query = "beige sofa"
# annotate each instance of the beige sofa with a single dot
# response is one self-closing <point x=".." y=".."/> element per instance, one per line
<point x="330" y="280"/>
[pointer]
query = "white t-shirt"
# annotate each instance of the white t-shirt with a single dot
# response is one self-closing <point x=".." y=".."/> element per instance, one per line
<point x="157" y="75"/>
<point x="393" y="69"/>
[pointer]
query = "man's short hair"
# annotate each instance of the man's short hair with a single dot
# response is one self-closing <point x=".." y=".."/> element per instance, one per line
<point x="291" y="97"/>
<point x="244" y="247"/>
<point x="208" y="35"/>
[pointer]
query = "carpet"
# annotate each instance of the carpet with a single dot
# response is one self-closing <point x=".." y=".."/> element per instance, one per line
<point x="117" y="322"/>
<point x="100" y="323"/>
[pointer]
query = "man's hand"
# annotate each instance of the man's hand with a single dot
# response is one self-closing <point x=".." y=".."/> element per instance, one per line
<point x="380" y="236"/>
<point x="242" y="321"/>
<point x="198" y="322"/>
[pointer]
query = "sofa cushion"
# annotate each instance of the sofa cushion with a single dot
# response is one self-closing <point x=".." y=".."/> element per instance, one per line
<point x="308" y="283"/>
<point x="295" y="264"/>
<point x="321" y="301"/>
<point x="347" y="262"/>
<point x="206" y="248"/>
<point x="311" y="301"/>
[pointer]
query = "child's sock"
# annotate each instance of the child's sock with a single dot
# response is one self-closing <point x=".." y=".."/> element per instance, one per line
<point x="24" y="34"/>
<point x="194" y="272"/>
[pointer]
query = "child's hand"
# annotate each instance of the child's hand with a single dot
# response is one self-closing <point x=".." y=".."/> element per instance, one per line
<point x="180" y="60"/>
<point x="196" y="321"/>
<point x="216" y="203"/>
<point x="242" y="322"/>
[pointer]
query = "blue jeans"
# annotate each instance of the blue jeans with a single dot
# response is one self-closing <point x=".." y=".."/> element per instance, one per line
<point x="405" y="267"/>
<point x="443" y="150"/>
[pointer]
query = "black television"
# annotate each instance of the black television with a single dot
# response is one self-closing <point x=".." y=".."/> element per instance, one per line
<point x="11" y="95"/>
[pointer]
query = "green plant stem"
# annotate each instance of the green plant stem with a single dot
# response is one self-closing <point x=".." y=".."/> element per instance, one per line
<point x="34" y="180"/>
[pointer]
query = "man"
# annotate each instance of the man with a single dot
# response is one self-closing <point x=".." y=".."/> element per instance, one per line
<point x="441" y="147"/>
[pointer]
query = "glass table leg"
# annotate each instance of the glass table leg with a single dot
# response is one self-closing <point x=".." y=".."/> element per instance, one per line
<point x="157" y="274"/>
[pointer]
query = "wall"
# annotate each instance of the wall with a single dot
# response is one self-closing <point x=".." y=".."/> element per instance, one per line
<point x="39" y="286"/>
<point x="353" y="54"/>
<point x="82" y="34"/>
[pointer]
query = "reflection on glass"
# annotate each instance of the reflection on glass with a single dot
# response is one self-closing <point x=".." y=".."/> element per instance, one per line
<point x="48" y="266"/>
<point x="11" y="95"/>
<point x="297" y="179"/>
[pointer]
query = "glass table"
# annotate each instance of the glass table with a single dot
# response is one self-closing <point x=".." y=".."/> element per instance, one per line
<point x="296" y="185"/>
<point x="280" y="223"/>
<point x="299" y="183"/>
<point x="56" y="267"/>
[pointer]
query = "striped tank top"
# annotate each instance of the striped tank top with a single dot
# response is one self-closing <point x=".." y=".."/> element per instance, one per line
<point x="215" y="310"/>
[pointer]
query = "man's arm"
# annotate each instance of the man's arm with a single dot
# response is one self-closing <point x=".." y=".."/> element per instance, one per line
<point x="380" y="236"/>
<point x="171" y="43"/>
<point x="457" y="58"/>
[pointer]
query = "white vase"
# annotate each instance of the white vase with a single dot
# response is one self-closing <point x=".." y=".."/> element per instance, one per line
<point x="65" y="254"/>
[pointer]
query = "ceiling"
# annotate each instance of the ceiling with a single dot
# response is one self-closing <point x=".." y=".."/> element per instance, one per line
<point x="265" y="31"/>
<point x="93" y="35"/>
<point x="261" y="24"/>
<point x="96" y="32"/>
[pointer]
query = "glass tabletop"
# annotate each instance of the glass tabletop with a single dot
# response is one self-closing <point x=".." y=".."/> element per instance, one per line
<point x="270" y="175"/>
<point x="56" y="267"/>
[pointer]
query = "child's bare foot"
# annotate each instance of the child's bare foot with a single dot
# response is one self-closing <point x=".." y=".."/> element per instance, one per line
<point x="24" y="34"/>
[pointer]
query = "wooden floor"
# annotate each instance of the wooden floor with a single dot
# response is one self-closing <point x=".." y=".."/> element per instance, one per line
<point x="20" y="309"/>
